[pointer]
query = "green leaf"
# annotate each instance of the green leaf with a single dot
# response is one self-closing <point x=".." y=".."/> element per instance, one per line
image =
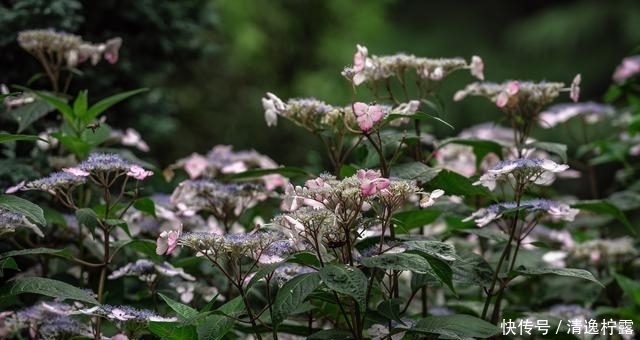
<point x="147" y="247"/>
<point x="30" y="210"/>
<point x="7" y="263"/>
<point x="88" y="218"/>
<point x="472" y="269"/>
<point x="442" y="271"/>
<point x="106" y="103"/>
<point x="66" y="253"/>
<point x="570" y="272"/>
<point x="215" y="326"/>
<point x="346" y="280"/>
<point x="28" y="114"/>
<point x="292" y="294"/>
<point x="436" y="249"/>
<point x="80" y="106"/>
<point x="391" y="309"/>
<point x="554" y="148"/>
<point x="9" y="137"/>
<point x="172" y="331"/>
<point x="60" y="104"/>
<point x="183" y="310"/>
<point x="457" y="326"/>
<point x="455" y="184"/>
<point x="262" y="272"/>
<point x="76" y="145"/>
<point x="604" y="207"/>
<point x="398" y="261"/>
<point x="414" y="171"/>
<point x="48" y="287"/>
<point x="408" y="220"/>
<point x="145" y="205"/>
<point x="629" y="286"/>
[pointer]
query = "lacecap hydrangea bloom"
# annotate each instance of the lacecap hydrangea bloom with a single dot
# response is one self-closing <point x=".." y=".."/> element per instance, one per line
<point x="560" y="113"/>
<point x="555" y="210"/>
<point x="522" y="171"/>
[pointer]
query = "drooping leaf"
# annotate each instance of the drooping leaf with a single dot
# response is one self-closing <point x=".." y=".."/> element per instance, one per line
<point x="415" y="171"/>
<point x="48" y="287"/>
<point x="30" y="210"/>
<point x="216" y="326"/>
<point x="554" y="148"/>
<point x="346" y="280"/>
<point x="408" y="220"/>
<point x="570" y="272"/>
<point x="629" y="286"/>
<point x="472" y="269"/>
<point x="604" y="207"/>
<point x="183" y="310"/>
<point x="108" y="102"/>
<point x="442" y="271"/>
<point x="441" y="250"/>
<point x="172" y="331"/>
<point x="457" y="326"/>
<point x="292" y="294"/>
<point x="59" y="103"/>
<point x="66" y="253"/>
<point x="88" y="218"/>
<point x="80" y="105"/>
<point x="391" y="309"/>
<point x="9" y="137"/>
<point x="146" y="205"/>
<point x="455" y="184"/>
<point x="398" y="261"/>
<point x="27" y="114"/>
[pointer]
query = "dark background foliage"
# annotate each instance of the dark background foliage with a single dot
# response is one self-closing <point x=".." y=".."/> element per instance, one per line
<point x="209" y="62"/>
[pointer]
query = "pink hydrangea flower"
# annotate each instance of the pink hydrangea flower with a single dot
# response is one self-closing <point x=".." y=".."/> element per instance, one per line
<point x="371" y="181"/>
<point x="360" y="58"/>
<point x="629" y="67"/>
<point x="477" y="67"/>
<point x="195" y="165"/>
<point x="76" y="172"/>
<point x="367" y="115"/>
<point x="138" y="172"/>
<point x="574" y="93"/>
<point x="168" y="241"/>
<point x="112" y="46"/>
<point x="513" y="87"/>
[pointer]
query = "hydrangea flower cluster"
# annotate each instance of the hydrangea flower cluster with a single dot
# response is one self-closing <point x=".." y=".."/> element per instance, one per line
<point x="223" y="200"/>
<point x="629" y="67"/>
<point x="10" y="220"/>
<point x="560" y="113"/>
<point x="148" y="271"/>
<point x="127" y="314"/>
<point x="100" y="163"/>
<point x="373" y="68"/>
<point x="555" y="210"/>
<point x="222" y="160"/>
<point x="45" y="320"/>
<point x="69" y="47"/>
<point x="522" y="171"/>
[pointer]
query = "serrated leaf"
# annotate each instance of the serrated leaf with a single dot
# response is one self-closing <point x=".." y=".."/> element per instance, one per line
<point x="262" y="272"/>
<point x="442" y="270"/>
<point x="457" y="326"/>
<point x="48" y="287"/>
<point x="346" y="280"/>
<point x="570" y="272"/>
<point x="408" y="220"/>
<point x="415" y="171"/>
<point x="66" y="253"/>
<point x="398" y="261"/>
<point x="214" y="327"/>
<point x="554" y="148"/>
<point x="172" y="331"/>
<point x="183" y="310"/>
<point x="391" y="309"/>
<point x="629" y="286"/>
<point x="146" y="205"/>
<point x="437" y="249"/>
<point x="472" y="269"/>
<point x="604" y="207"/>
<point x="455" y="184"/>
<point x="30" y="210"/>
<point x="292" y="294"/>
<point x="88" y="218"/>
<point x="28" y="114"/>
<point x="106" y="103"/>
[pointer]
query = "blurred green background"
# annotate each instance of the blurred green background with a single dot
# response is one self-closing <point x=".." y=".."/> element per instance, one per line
<point x="208" y="62"/>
